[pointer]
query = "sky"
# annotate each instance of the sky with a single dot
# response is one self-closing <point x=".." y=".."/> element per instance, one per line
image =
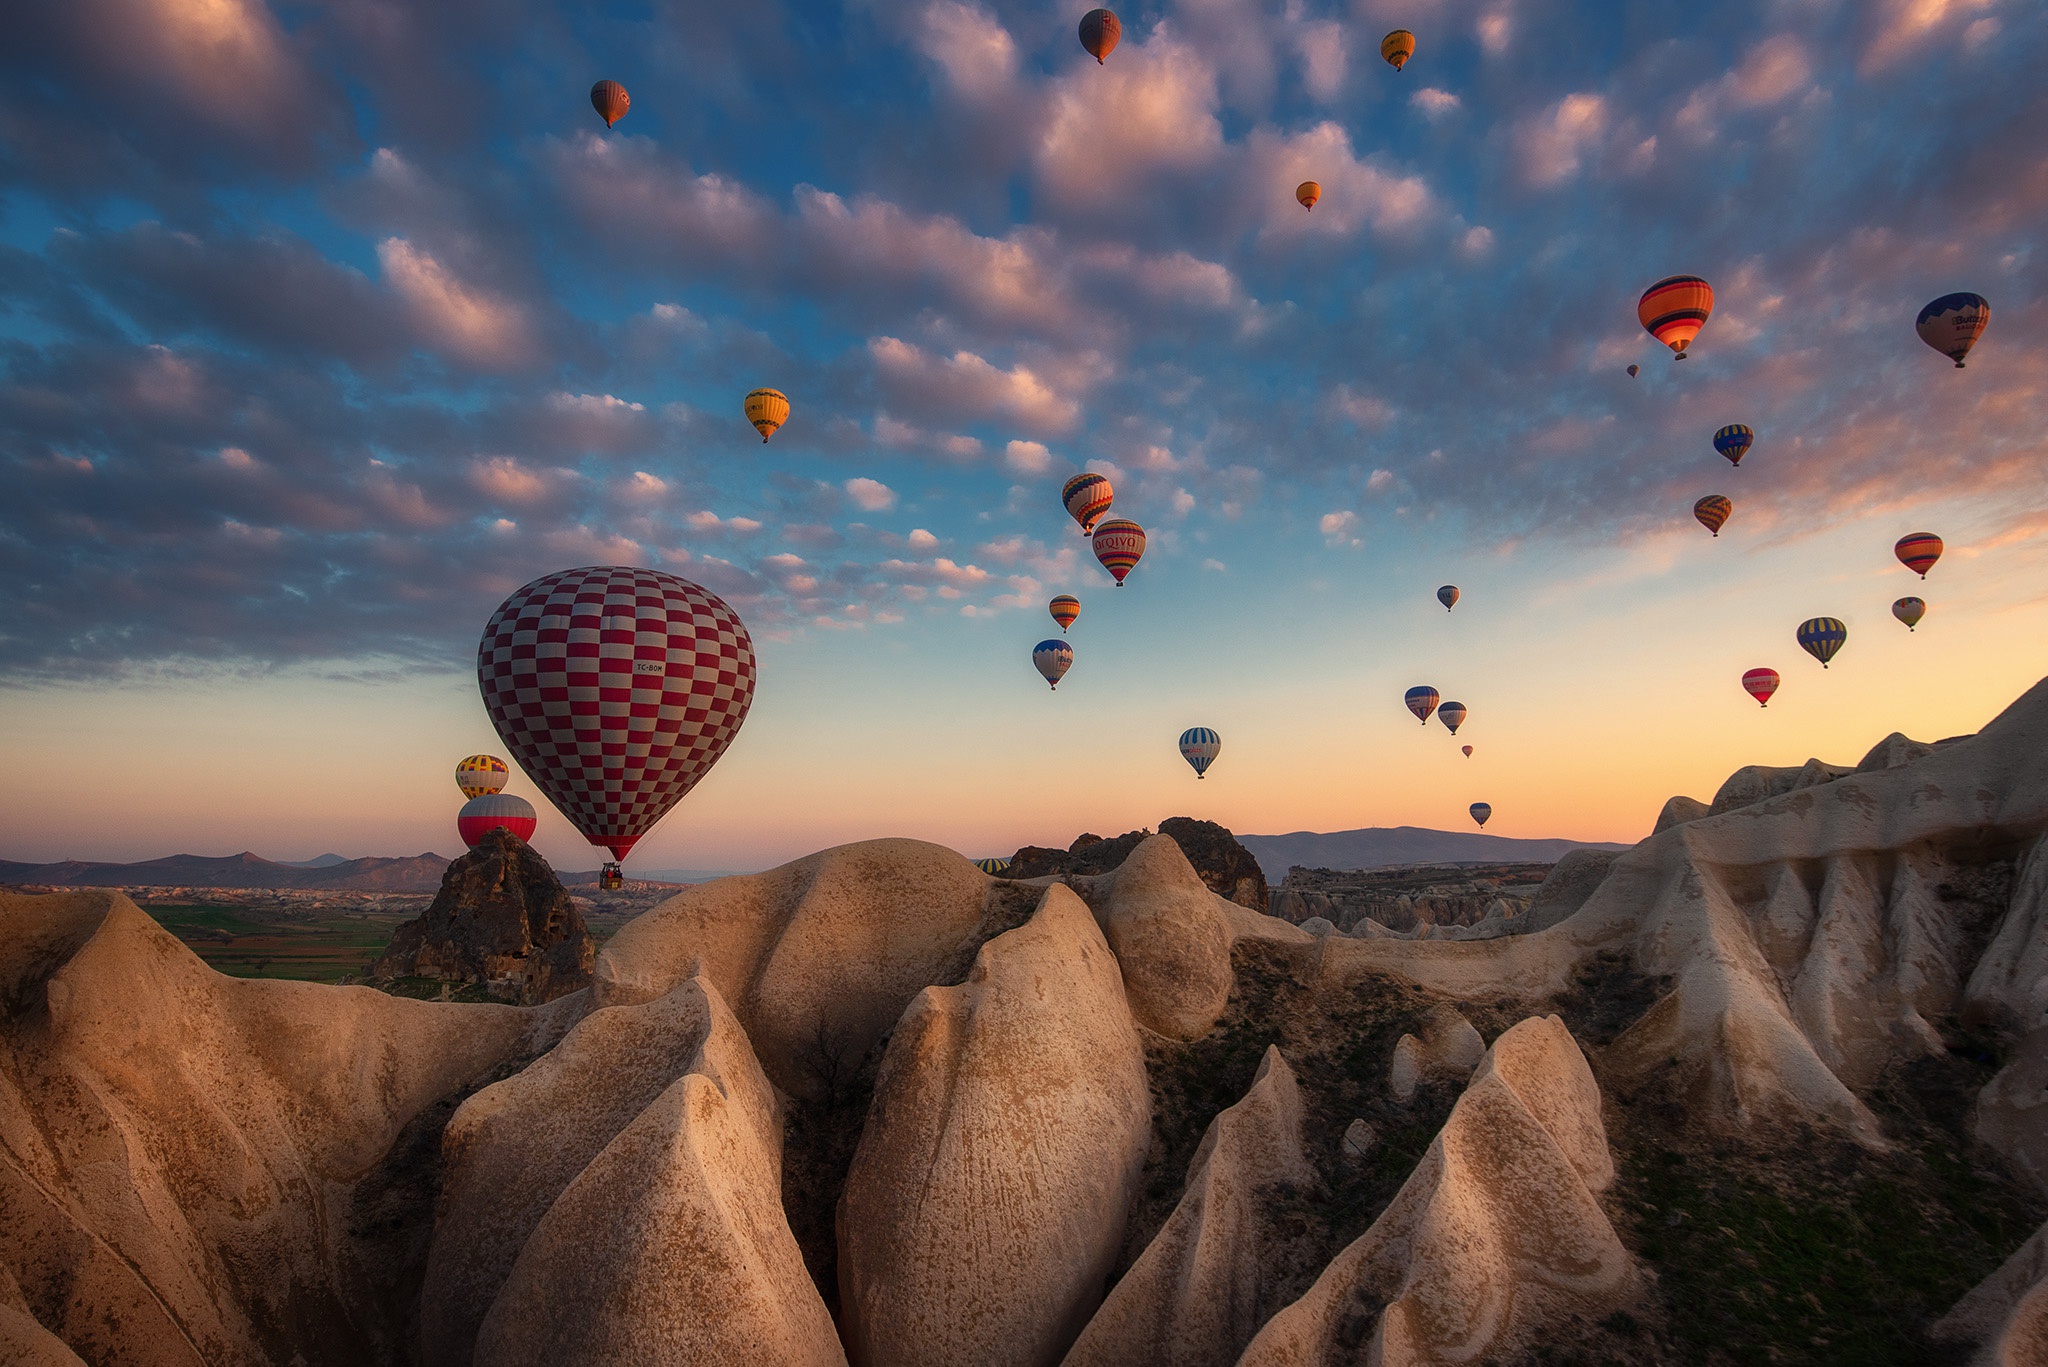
<point x="324" y="327"/>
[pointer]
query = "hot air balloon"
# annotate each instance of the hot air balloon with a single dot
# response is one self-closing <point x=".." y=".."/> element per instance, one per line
<point x="1675" y="309"/>
<point x="1448" y="596"/>
<point x="1199" y="746"/>
<point x="1712" y="511"/>
<point x="1821" y="637"/>
<point x="1634" y="370"/>
<point x="1909" y="611"/>
<point x="1064" y="610"/>
<point x="1308" y="192"/>
<point x="616" y="689"/>
<point x="1421" y="700"/>
<point x="1733" y="441"/>
<point x="488" y="811"/>
<point x="611" y="101"/>
<point x="1053" y="659"/>
<point x="1397" y="47"/>
<point x="1118" y="545"/>
<point x="1760" y="683"/>
<point x="1918" y="551"/>
<point x="1100" y="31"/>
<point x="1087" y="498"/>
<point x="767" y="409"/>
<point x="481" y="774"/>
<point x="1467" y="749"/>
<point x="1953" y="323"/>
<point x="992" y="867"/>
<point x="1452" y="714"/>
<point x="1480" y="811"/>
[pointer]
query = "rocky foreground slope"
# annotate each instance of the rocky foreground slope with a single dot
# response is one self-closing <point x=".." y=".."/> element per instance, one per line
<point x="1773" y="1085"/>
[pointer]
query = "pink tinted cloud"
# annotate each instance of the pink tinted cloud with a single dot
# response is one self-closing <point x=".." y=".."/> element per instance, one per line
<point x="465" y="322"/>
<point x="968" y="386"/>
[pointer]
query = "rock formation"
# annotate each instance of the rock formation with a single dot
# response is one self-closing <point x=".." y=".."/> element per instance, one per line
<point x="2006" y="1316"/>
<point x="1225" y="867"/>
<point x="501" y="918"/>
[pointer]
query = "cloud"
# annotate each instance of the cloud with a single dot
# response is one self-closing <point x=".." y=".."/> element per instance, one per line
<point x="1356" y="194"/>
<point x="1911" y="28"/>
<point x="1324" y="58"/>
<point x="967" y="387"/>
<point x="973" y="51"/>
<point x="870" y="495"/>
<point x="466" y="322"/>
<point x="1434" y="104"/>
<point x="1110" y="128"/>
<point x="1337" y="528"/>
<point x="1552" y="146"/>
<point x="1027" y="457"/>
<point x="1769" y="73"/>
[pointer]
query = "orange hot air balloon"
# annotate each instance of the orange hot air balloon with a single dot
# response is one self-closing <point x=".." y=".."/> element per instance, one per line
<point x="1712" y="511"/>
<point x="1118" y="544"/>
<point x="1675" y="309"/>
<point x="1064" y="610"/>
<point x="1918" y="551"/>
<point x="611" y="101"/>
<point x="1308" y="192"/>
<point x="1397" y="47"/>
<point x="1100" y="31"/>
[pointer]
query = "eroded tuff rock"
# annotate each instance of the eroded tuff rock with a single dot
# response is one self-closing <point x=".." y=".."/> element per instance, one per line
<point x="1447" y="1047"/>
<point x="1225" y="867"/>
<point x="1497" y="1234"/>
<point x="501" y="917"/>
<point x="1010" y="1122"/>
<point x="2005" y="1315"/>
<point x="1172" y="946"/>
<point x="1194" y="1297"/>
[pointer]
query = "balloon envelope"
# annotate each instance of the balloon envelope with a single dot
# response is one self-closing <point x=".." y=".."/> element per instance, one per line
<point x="1422" y="700"/>
<point x="1100" y="31"/>
<point x="1397" y="47"/>
<point x="1822" y="637"/>
<point x="1733" y="441"/>
<point x="1909" y="611"/>
<point x="1452" y="714"/>
<point x="767" y="409"/>
<point x="481" y="774"/>
<point x="992" y="867"/>
<point x="611" y="101"/>
<point x="1953" y="323"/>
<point x="1918" y="551"/>
<point x="1087" y="498"/>
<point x="1199" y="746"/>
<point x="1308" y="192"/>
<point x="1480" y="811"/>
<point x="616" y="689"/>
<point x="1064" y="610"/>
<point x="1760" y="683"/>
<point x="481" y="815"/>
<point x="1468" y="751"/>
<point x="1119" y="543"/>
<point x="1633" y="371"/>
<point x="1448" y="596"/>
<point x="1675" y="309"/>
<point x="1053" y="659"/>
<point x="1712" y="511"/>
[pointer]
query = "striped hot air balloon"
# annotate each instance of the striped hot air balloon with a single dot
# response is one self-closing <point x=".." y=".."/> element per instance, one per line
<point x="1397" y="47"/>
<point x="1480" y="811"/>
<point x="1712" y="511"/>
<point x="1733" y="441"/>
<point x="1452" y="714"/>
<point x="1822" y="637"/>
<point x="1448" y="596"/>
<point x="1199" y="746"/>
<point x="1675" y="309"/>
<point x="1421" y="700"/>
<point x="481" y="774"/>
<point x="1064" y="610"/>
<point x="1909" y="611"/>
<point x="1953" y="323"/>
<point x="1119" y="543"/>
<point x="1760" y="683"/>
<point x="1467" y="749"/>
<point x="482" y="815"/>
<point x="767" y="409"/>
<point x="1100" y="31"/>
<point x="1087" y="498"/>
<point x="611" y="101"/>
<point x="1053" y="659"/>
<point x="1918" y="551"/>
<point x="1308" y="192"/>
<point x="992" y="867"/>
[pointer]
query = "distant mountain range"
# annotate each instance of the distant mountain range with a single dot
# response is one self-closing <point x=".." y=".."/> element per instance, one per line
<point x="1376" y="847"/>
<point x="407" y="873"/>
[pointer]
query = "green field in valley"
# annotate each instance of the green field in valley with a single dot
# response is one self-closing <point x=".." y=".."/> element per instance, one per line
<point x="245" y="943"/>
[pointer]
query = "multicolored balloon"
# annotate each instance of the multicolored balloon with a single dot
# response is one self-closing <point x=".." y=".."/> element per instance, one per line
<point x="1480" y="811"/>
<point x="1822" y="637"/>
<point x="1452" y="714"/>
<point x="616" y="689"/>
<point x="1468" y="751"/>
<point x="611" y="101"/>
<point x="1064" y="610"/>
<point x="767" y="409"/>
<point x="1634" y="371"/>
<point x="992" y="867"/>
<point x="485" y="813"/>
<point x="1712" y="511"/>
<point x="1909" y="611"/>
<point x="1734" y="441"/>
<point x="1308" y="192"/>
<point x="1397" y="47"/>
<point x="1053" y="659"/>
<point x="1918" y="551"/>
<point x="481" y="774"/>
<point x="1119" y="544"/>
<point x="1675" y="309"/>
<point x="1953" y="323"/>
<point x="1760" y="683"/>
<point x="1199" y="746"/>
<point x="1448" y="596"/>
<point x="1100" y="31"/>
<point x="1087" y="498"/>
<point x="1421" y="700"/>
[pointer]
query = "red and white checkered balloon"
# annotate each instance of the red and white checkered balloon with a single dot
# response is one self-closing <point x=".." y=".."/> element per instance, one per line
<point x="615" y="689"/>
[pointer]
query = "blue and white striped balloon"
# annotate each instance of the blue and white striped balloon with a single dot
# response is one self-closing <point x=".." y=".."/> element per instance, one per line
<point x="1199" y="746"/>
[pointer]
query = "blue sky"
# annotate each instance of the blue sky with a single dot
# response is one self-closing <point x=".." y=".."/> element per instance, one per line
<point x="323" y="327"/>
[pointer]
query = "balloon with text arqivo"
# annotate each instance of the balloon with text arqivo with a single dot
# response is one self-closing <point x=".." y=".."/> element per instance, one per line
<point x="1119" y="544"/>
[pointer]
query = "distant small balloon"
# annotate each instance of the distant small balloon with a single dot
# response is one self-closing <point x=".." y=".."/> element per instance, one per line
<point x="1822" y="637"/>
<point x="1918" y="551"/>
<point x="1064" y="610"/>
<point x="1481" y="811"/>
<point x="767" y="409"/>
<point x="611" y="101"/>
<point x="1119" y="544"/>
<point x="1712" y="511"/>
<point x="1909" y="611"/>
<point x="1087" y="498"/>
<point x="1452" y="714"/>
<point x="1199" y="746"/>
<point x="1468" y="751"/>
<point x="992" y="867"/>
<point x="1760" y="683"/>
<point x="1448" y="596"/>
<point x="1675" y="309"/>
<point x="1634" y="370"/>
<point x="483" y="814"/>
<point x="1100" y="31"/>
<point x="1053" y="659"/>
<point x="1733" y="441"/>
<point x="481" y="774"/>
<point x="1953" y="323"/>
<point x="1421" y="700"/>
<point x="1308" y="192"/>
<point x="1397" y="47"/>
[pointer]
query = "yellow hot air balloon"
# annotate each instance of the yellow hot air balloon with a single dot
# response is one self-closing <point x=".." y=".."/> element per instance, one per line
<point x="1308" y="192"/>
<point x="767" y="409"/>
<point x="1397" y="47"/>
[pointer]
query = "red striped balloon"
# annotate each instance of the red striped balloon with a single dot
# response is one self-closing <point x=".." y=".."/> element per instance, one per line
<point x="1760" y="683"/>
<point x="611" y="101"/>
<point x="482" y="815"/>
<point x="1675" y="309"/>
<point x="1118" y="545"/>
<point x="1064" y="609"/>
<point x="1712" y="511"/>
<point x="1918" y="551"/>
